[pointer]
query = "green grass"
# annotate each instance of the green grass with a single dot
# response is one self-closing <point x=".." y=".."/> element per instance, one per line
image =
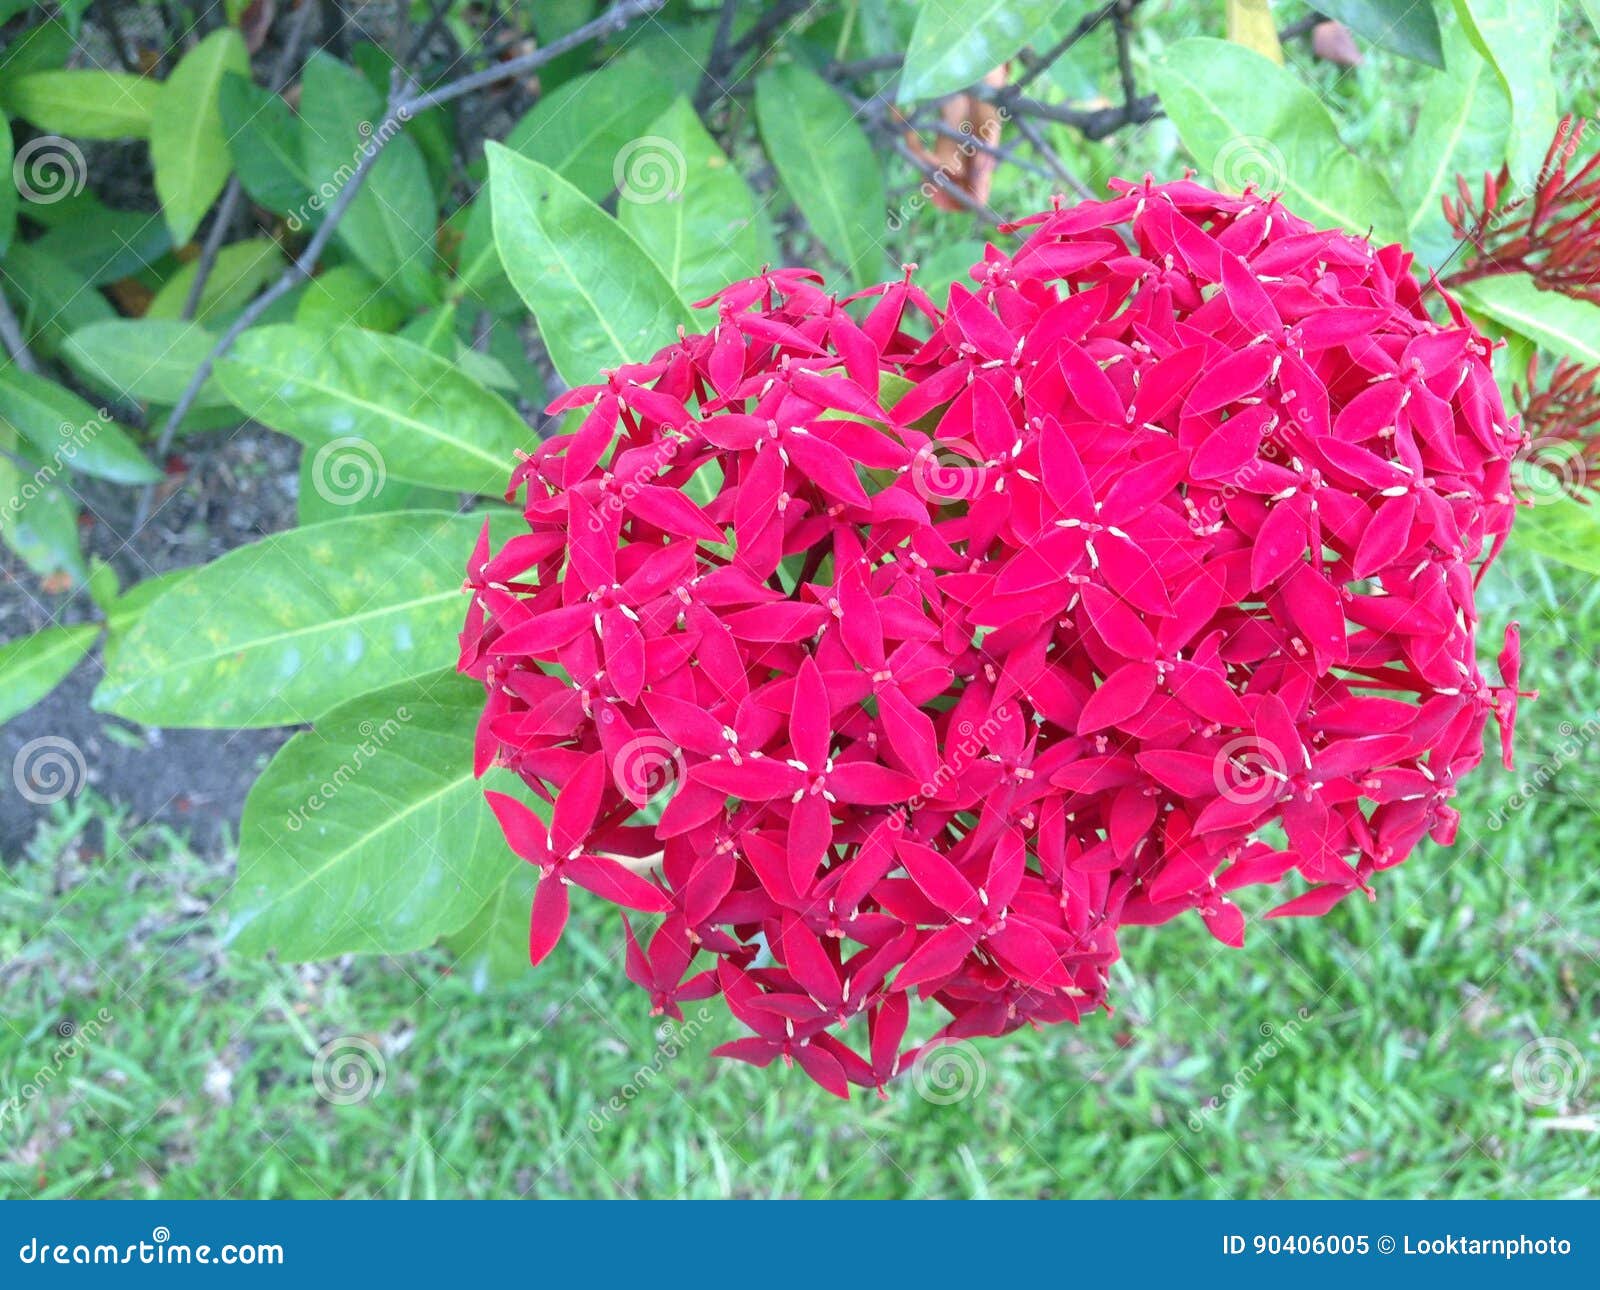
<point x="1395" y="1029"/>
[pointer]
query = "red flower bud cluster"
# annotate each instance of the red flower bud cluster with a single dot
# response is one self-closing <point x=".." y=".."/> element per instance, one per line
<point x="954" y="639"/>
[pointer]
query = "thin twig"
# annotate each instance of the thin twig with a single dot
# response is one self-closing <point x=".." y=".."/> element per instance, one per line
<point x="1085" y="25"/>
<point x="1124" y="30"/>
<point x="609" y="23"/>
<point x="969" y="138"/>
<point x="710" y="87"/>
<point x="937" y="177"/>
<point x="1052" y="158"/>
<point x="11" y="333"/>
<point x="1092" y="123"/>
<point x="221" y="223"/>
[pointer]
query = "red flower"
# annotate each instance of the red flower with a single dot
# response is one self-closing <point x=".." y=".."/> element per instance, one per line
<point x="960" y="638"/>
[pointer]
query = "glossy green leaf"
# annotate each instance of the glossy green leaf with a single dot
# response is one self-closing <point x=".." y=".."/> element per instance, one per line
<point x="956" y="43"/>
<point x="285" y="629"/>
<point x="827" y="165"/>
<point x="38" y="517"/>
<point x="389" y="225"/>
<point x="33" y="666"/>
<point x="1559" y="528"/>
<point x="1410" y="28"/>
<point x="1461" y="129"/>
<point x="188" y="148"/>
<point x="582" y="129"/>
<point x="67" y="432"/>
<point x="85" y="105"/>
<point x="376" y="405"/>
<point x="125" y="609"/>
<point x="347" y="295"/>
<point x="368" y="833"/>
<point x="687" y="206"/>
<point x="264" y="140"/>
<point x="1568" y="327"/>
<point x="1278" y="136"/>
<point x="240" y="271"/>
<point x="314" y="505"/>
<point x="42" y="48"/>
<point x="100" y="244"/>
<point x="1519" y="37"/>
<point x="142" y="359"/>
<point x="599" y="299"/>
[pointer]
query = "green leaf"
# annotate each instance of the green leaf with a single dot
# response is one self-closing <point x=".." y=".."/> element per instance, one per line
<point x="582" y="128"/>
<point x="1461" y="129"/>
<point x="1568" y="327"/>
<point x="69" y="433"/>
<point x="8" y="189"/>
<point x="1592" y="9"/>
<point x="369" y="833"/>
<point x="389" y="225"/>
<point x="956" y="43"/>
<point x="51" y="296"/>
<point x="1519" y="37"/>
<point x="33" y="666"/>
<point x="264" y="140"/>
<point x="241" y="269"/>
<point x="1277" y="135"/>
<point x="1559" y="528"/>
<point x="142" y="359"/>
<point x="285" y="629"/>
<point x="45" y="47"/>
<point x="493" y="947"/>
<point x="102" y="245"/>
<point x="374" y="405"/>
<point x="347" y="295"/>
<point x="1410" y="28"/>
<point x="599" y="300"/>
<point x="826" y="164"/>
<point x="127" y="607"/>
<point x="38" y="518"/>
<point x="314" y="505"/>
<point x="188" y="148"/>
<point x="687" y="206"/>
<point x="85" y="105"/>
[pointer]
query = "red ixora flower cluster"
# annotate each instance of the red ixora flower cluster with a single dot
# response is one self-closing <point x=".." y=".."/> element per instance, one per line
<point x="955" y="639"/>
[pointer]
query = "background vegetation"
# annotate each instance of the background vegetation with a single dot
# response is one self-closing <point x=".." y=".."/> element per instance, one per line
<point x="298" y="192"/>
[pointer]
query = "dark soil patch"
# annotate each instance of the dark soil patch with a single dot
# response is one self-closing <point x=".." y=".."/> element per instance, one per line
<point x="230" y="488"/>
